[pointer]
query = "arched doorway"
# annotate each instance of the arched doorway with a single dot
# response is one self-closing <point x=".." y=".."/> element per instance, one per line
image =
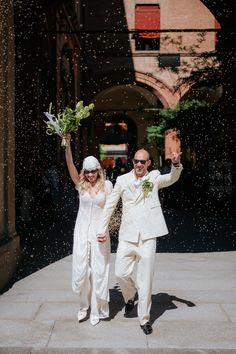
<point x="122" y="115"/>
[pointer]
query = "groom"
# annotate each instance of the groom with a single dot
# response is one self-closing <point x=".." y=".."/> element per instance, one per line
<point x="142" y="221"/>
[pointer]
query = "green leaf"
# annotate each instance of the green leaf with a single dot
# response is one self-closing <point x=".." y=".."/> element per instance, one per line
<point x="69" y="119"/>
<point x="168" y="114"/>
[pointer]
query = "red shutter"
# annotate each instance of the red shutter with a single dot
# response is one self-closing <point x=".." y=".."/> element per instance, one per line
<point x="217" y="26"/>
<point x="147" y="17"/>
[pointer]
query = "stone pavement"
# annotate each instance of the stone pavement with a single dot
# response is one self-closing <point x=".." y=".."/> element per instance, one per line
<point x="194" y="311"/>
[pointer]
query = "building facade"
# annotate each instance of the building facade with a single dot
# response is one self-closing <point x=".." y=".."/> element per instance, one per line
<point x="136" y="56"/>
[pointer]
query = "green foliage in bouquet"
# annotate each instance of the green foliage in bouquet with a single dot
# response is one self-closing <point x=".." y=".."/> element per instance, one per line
<point x="69" y="119"/>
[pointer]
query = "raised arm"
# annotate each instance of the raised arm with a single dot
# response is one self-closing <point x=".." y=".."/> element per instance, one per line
<point x="170" y="178"/>
<point x="70" y="163"/>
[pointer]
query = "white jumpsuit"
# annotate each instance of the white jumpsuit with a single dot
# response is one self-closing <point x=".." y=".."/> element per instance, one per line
<point x="90" y="266"/>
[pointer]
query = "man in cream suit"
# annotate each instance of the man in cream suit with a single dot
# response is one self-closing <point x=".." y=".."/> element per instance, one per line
<point x="142" y="221"/>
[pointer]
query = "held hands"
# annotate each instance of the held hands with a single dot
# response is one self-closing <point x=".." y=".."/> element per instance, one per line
<point x="175" y="158"/>
<point x="101" y="238"/>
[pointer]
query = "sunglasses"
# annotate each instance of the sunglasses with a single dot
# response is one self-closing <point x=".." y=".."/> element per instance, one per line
<point x="135" y="161"/>
<point x="87" y="172"/>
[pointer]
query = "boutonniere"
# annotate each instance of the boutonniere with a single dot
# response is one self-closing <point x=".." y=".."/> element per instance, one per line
<point x="147" y="187"/>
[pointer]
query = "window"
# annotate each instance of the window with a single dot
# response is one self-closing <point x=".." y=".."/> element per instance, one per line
<point x="169" y="60"/>
<point x="147" y="18"/>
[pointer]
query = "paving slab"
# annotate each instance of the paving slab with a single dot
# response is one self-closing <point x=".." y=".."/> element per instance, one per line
<point x="25" y="296"/>
<point x="205" y="296"/>
<point x="193" y="311"/>
<point x="230" y="310"/>
<point x="107" y="335"/>
<point x="58" y="312"/>
<point x="23" y="333"/>
<point x="195" y="335"/>
<point x="181" y="312"/>
<point x="26" y="311"/>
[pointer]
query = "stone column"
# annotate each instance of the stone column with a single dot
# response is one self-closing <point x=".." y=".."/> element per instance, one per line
<point x="9" y="241"/>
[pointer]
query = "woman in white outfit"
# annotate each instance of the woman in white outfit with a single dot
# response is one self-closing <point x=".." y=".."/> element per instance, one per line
<point x="90" y="268"/>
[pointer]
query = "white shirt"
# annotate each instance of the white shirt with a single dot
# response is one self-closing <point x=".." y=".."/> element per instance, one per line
<point x="138" y="181"/>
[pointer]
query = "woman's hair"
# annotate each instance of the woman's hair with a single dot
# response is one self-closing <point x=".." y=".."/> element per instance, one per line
<point x="84" y="184"/>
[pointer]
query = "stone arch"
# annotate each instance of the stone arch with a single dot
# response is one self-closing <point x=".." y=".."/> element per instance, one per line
<point x="167" y="95"/>
<point x="144" y="97"/>
<point x="137" y="102"/>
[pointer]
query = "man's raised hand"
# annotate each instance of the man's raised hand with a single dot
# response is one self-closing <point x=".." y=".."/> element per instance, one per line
<point x="175" y="158"/>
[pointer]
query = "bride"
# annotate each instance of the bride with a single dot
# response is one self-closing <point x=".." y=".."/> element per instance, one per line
<point x="90" y="265"/>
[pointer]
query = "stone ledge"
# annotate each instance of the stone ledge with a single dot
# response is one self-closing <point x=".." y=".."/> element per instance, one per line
<point x="17" y="350"/>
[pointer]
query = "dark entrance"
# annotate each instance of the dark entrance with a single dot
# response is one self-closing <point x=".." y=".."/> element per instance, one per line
<point x="117" y="138"/>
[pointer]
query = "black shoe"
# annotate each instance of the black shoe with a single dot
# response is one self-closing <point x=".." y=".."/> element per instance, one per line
<point x="129" y="308"/>
<point x="147" y="328"/>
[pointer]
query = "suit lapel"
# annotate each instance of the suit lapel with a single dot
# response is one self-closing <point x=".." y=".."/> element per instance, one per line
<point x="136" y="192"/>
<point x="139" y="197"/>
<point x="131" y="186"/>
<point x="141" y="194"/>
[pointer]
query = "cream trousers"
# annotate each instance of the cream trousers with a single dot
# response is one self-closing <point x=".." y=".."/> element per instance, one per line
<point x="98" y="308"/>
<point x="141" y="253"/>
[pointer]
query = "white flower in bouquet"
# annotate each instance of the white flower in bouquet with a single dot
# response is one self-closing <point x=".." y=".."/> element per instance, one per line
<point x="67" y="121"/>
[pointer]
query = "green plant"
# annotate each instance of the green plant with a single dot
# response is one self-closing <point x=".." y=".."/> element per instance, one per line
<point x="166" y="115"/>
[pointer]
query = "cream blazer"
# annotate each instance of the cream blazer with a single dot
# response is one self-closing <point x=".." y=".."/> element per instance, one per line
<point x="141" y="215"/>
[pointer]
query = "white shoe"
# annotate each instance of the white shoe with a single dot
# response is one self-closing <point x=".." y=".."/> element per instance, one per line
<point x="103" y="317"/>
<point x="81" y="315"/>
<point x="94" y="321"/>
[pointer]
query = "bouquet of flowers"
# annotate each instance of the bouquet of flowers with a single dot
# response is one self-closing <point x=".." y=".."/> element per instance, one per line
<point x="67" y="121"/>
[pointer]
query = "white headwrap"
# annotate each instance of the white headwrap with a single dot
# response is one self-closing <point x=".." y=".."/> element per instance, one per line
<point x="91" y="163"/>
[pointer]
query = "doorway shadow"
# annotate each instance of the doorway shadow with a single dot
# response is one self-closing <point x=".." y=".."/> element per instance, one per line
<point x="163" y="302"/>
<point x="116" y="303"/>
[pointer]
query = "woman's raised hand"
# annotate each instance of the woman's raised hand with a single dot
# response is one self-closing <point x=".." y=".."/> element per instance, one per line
<point x="66" y="138"/>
